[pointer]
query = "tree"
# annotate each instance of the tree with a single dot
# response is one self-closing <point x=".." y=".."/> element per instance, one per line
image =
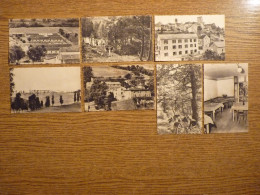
<point x="36" y="53"/>
<point x="16" y="53"/>
<point x="131" y="36"/>
<point x="67" y="35"/>
<point x="211" y="55"/>
<point x="87" y="27"/>
<point x="128" y="76"/>
<point x="32" y="102"/>
<point x="52" y="100"/>
<point x="61" y="31"/>
<point x="78" y="95"/>
<point x="184" y="101"/>
<point x="88" y="74"/>
<point x="17" y="102"/>
<point x="47" y="102"/>
<point x="61" y="100"/>
<point x="151" y="86"/>
<point x="98" y="93"/>
<point x="75" y="94"/>
<point x="110" y="99"/>
<point x="12" y="84"/>
<point x="38" y="103"/>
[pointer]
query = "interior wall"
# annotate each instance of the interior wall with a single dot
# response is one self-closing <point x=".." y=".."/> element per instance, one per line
<point x="225" y="86"/>
<point x="210" y="89"/>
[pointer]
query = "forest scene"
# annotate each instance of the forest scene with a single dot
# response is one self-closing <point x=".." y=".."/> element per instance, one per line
<point x="179" y="99"/>
<point x="117" y="38"/>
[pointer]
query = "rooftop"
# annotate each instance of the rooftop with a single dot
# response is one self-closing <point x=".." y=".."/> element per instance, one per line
<point x="177" y="36"/>
<point x="67" y="57"/>
<point x="137" y="89"/>
<point x="70" y="49"/>
<point x="113" y="83"/>
<point x="202" y="36"/>
<point x="219" y="43"/>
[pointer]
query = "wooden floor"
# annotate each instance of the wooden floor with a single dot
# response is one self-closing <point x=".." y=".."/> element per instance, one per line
<point x="225" y="124"/>
<point x="120" y="152"/>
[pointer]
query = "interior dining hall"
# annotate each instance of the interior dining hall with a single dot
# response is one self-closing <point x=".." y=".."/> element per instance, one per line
<point x="226" y="98"/>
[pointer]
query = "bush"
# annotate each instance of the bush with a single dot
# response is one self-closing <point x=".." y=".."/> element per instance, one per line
<point x="47" y="103"/>
<point x="130" y="49"/>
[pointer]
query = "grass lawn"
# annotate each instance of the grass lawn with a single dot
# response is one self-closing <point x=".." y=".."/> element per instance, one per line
<point x="75" y="107"/>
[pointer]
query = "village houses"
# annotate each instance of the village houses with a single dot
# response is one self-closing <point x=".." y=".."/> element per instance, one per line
<point x="121" y="93"/>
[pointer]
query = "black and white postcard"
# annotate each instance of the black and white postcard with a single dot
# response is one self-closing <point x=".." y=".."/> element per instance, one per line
<point x="226" y="98"/>
<point x="179" y="100"/>
<point x="189" y="37"/>
<point x="44" y="41"/>
<point x="119" y="87"/>
<point x="45" y="89"/>
<point x="117" y="39"/>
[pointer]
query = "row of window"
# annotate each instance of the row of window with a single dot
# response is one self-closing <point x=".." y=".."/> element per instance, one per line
<point x="179" y="41"/>
<point x="180" y="52"/>
<point x="179" y="46"/>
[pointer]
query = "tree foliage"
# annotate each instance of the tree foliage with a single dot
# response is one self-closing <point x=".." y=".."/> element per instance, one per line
<point x="47" y="102"/>
<point x="179" y="93"/>
<point x="126" y="35"/>
<point x="34" y="102"/>
<point x="19" y="103"/>
<point x="88" y="74"/>
<point x="131" y="36"/>
<point x="87" y="27"/>
<point x="52" y="100"/>
<point x="98" y="92"/>
<point x="12" y="84"/>
<point x="36" y="53"/>
<point x="61" y="100"/>
<point x="211" y="55"/>
<point x="16" y="53"/>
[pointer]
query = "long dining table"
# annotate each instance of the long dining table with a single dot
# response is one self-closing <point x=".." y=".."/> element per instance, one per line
<point x="239" y="106"/>
<point x="212" y="107"/>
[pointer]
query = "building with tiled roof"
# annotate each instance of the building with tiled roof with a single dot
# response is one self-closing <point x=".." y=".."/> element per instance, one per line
<point x="179" y="45"/>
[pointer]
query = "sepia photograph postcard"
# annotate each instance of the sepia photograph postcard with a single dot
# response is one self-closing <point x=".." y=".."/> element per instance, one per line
<point x="117" y="39"/>
<point x="226" y="98"/>
<point x="44" y="90"/>
<point x="179" y="98"/>
<point x="44" y="41"/>
<point x="120" y="87"/>
<point x="189" y="37"/>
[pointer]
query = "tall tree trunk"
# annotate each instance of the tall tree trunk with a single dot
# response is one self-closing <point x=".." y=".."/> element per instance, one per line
<point x="194" y="105"/>
<point x="142" y="48"/>
<point x="151" y="43"/>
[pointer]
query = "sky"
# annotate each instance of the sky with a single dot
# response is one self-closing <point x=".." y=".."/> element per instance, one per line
<point x="55" y="79"/>
<point x="219" y="20"/>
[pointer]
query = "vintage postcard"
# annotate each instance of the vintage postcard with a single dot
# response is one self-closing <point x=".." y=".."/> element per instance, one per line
<point x="117" y="39"/>
<point x="189" y="37"/>
<point x="119" y="87"/>
<point x="44" y="41"/>
<point x="45" y="89"/>
<point x="226" y="98"/>
<point x="179" y="99"/>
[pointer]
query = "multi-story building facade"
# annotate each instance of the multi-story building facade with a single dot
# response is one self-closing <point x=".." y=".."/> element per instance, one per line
<point x="176" y="46"/>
